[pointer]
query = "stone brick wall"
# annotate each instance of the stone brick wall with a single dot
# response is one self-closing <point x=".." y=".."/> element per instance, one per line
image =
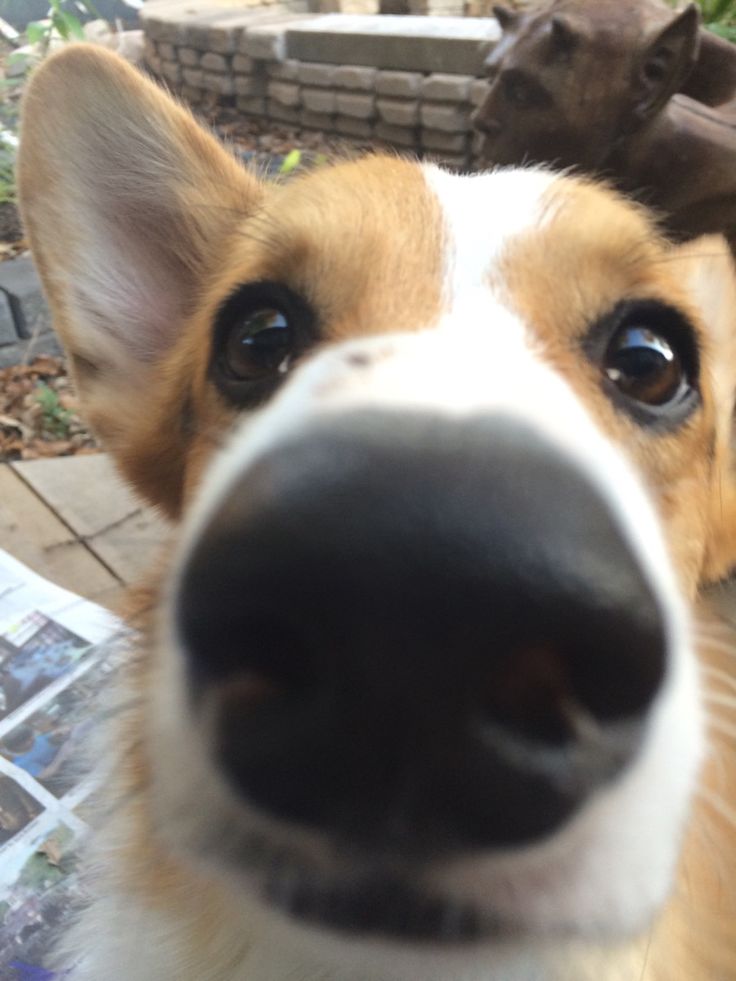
<point x="407" y="82"/>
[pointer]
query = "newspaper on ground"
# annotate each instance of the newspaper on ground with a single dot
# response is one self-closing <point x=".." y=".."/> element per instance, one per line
<point x="58" y="653"/>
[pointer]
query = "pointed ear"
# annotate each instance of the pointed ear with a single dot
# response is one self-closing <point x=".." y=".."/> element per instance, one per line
<point x="564" y="35"/>
<point x="506" y="17"/>
<point x="127" y="202"/>
<point x="666" y="62"/>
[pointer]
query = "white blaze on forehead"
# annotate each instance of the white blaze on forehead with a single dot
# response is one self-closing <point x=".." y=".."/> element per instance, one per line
<point x="482" y="212"/>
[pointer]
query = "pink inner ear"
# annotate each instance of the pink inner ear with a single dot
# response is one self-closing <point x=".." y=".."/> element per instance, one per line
<point x="129" y="286"/>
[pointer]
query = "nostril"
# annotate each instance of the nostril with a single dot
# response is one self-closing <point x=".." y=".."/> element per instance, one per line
<point x="255" y="659"/>
<point x="531" y="696"/>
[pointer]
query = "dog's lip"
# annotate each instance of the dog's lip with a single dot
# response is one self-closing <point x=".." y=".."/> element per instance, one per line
<point x="377" y="906"/>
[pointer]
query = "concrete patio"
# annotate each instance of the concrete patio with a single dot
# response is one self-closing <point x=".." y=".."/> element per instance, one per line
<point x="72" y="520"/>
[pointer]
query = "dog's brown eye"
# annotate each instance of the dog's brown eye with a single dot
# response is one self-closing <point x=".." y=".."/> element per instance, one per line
<point x="645" y="366"/>
<point x="647" y="354"/>
<point x="259" y="346"/>
<point x="261" y="329"/>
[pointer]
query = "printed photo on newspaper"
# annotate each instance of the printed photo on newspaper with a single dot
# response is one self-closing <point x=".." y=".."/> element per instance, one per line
<point x="58" y="653"/>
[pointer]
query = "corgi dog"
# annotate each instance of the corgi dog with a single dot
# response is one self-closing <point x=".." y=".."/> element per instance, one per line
<point x="423" y="690"/>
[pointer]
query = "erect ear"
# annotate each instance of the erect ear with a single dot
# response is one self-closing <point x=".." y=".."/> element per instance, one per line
<point x="506" y="17"/>
<point x="127" y="203"/>
<point x="563" y="34"/>
<point x="666" y="62"/>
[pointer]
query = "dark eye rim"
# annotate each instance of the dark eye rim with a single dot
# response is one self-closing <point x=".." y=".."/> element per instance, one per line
<point x="248" y="299"/>
<point x="671" y="324"/>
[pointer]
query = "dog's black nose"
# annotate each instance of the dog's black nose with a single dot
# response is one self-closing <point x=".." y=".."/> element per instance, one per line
<point x="420" y="632"/>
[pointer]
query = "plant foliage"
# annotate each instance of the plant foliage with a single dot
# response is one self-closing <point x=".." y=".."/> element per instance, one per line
<point x="719" y="16"/>
<point x="62" y="20"/>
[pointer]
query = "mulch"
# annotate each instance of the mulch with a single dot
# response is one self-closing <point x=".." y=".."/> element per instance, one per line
<point x="39" y="413"/>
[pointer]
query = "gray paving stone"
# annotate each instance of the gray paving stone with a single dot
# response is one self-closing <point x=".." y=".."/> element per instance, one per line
<point x="224" y="37"/>
<point x="449" y="118"/>
<point x="285" y="93"/>
<point x="193" y="77"/>
<point x="399" y="84"/>
<point x="285" y="71"/>
<point x="396" y="135"/>
<point x="359" y="78"/>
<point x="222" y="84"/>
<point x="284" y="114"/>
<point x="322" y="101"/>
<point x="398" y="112"/>
<point x="413" y="44"/>
<point x="311" y="73"/>
<point x="446" y="88"/>
<point x="219" y="31"/>
<point x="249" y="85"/>
<point x="266" y="38"/>
<point x="165" y="23"/>
<point x="214" y="62"/>
<point x="188" y="57"/>
<point x="167" y="51"/>
<point x="360" y="105"/>
<point x="242" y="64"/>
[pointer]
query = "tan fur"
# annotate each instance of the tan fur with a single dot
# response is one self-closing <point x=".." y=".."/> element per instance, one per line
<point x="162" y="419"/>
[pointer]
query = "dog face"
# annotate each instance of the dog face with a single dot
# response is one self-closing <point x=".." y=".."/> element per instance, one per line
<point x="627" y="63"/>
<point x="448" y="458"/>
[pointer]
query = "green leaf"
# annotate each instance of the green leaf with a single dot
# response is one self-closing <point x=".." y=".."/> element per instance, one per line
<point x="291" y="162"/>
<point x="59" y="24"/>
<point x="37" y="32"/>
<point x="74" y="28"/>
<point x="724" y="31"/>
<point x="66" y="25"/>
<point x="47" y="398"/>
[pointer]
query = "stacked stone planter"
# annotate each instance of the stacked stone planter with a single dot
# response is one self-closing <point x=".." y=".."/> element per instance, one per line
<point x="407" y="82"/>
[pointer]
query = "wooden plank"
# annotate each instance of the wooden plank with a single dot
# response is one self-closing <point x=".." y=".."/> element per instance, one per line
<point x="87" y="493"/>
<point x="30" y="531"/>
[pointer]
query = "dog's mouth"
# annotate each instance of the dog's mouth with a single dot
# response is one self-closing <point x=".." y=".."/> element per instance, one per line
<point x="376" y="907"/>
